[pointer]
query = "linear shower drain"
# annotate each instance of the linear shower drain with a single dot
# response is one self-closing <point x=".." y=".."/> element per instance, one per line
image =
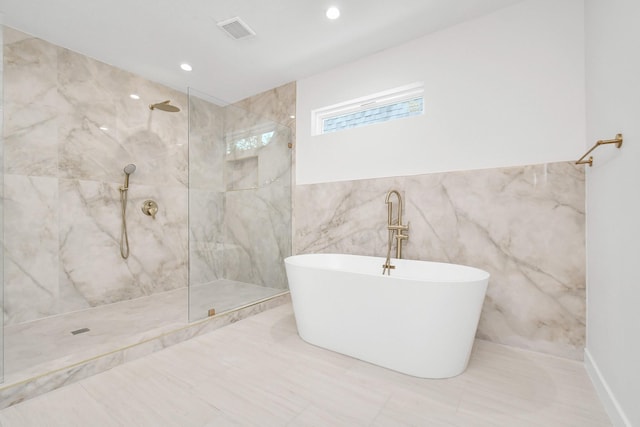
<point x="80" y="331"/>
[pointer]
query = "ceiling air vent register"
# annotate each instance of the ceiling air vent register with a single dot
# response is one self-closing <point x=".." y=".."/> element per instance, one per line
<point x="236" y="28"/>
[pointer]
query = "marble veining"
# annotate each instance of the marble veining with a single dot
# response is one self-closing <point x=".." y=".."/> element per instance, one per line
<point x="206" y="243"/>
<point x="30" y="247"/>
<point x="524" y="225"/>
<point x="277" y="104"/>
<point x="31" y="101"/>
<point x="206" y="190"/>
<point x="70" y="129"/>
<point x="248" y="188"/>
<point x="206" y="147"/>
<point x="258" y="220"/>
<point x="257" y="235"/>
<point x="158" y="247"/>
<point x="96" y="96"/>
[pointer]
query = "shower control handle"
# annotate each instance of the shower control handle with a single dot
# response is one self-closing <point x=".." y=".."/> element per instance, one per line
<point x="150" y="208"/>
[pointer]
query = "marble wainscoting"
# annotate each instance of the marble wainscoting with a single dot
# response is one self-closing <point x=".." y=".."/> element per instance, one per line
<point x="524" y="225"/>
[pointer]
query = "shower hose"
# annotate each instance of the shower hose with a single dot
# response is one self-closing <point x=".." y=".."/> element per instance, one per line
<point x="124" y="237"/>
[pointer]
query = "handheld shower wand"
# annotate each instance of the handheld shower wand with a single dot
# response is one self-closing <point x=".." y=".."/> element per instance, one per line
<point x="124" y="236"/>
<point x="128" y="170"/>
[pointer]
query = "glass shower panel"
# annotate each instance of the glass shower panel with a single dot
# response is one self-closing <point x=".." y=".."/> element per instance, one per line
<point x="239" y="206"/>
<point x="1" y="201"/>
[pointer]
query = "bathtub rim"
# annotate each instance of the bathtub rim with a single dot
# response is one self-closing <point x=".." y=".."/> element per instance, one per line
<point x="292" y="260"/>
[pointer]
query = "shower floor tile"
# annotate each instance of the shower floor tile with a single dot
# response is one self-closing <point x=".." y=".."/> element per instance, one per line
<point x="257" y="371"/>
<point x="224" y="295"/>
<point x="44" y="345"/>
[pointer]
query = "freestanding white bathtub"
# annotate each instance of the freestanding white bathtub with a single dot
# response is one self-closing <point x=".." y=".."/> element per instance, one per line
<point x="421" y="320"/>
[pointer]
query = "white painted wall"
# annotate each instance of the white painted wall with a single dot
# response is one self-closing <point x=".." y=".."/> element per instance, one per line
<point x="505" y="89"/>
<point x="613" y="205"/>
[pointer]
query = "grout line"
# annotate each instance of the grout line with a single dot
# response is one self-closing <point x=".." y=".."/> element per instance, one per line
<point x="382" y="407"/>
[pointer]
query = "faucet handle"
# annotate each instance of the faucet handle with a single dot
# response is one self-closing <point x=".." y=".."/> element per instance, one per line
<point x="150" y="208"/>
<point x="398" y="227"/>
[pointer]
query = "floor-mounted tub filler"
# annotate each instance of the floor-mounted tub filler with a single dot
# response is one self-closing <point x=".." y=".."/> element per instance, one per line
<point x="421" y="320"/>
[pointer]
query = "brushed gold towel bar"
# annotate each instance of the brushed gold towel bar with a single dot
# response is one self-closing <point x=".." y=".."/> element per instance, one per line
<point x="617" y="140"/>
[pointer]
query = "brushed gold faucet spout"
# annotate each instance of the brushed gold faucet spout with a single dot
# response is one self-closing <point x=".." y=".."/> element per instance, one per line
<point x="388" y="201"/>
<point x="395" y="228"/>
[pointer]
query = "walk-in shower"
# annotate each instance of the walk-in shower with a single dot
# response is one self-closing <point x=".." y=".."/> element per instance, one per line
<point x="220" y="175"/>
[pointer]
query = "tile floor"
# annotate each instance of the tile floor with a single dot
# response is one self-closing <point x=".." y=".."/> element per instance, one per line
<point x="40" y="346"/>
<point x="258" y="372"/>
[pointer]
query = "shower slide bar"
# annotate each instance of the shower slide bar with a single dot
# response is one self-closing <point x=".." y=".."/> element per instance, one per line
<point x="617" y="140"/>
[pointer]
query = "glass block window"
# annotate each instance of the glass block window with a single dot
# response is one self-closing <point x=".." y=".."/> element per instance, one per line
<point x="406" y="101"/>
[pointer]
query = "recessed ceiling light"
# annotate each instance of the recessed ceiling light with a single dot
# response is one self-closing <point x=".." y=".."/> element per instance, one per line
<point x="134" y="96"/>
<point x="104" y="128"/>
<point x="186" y="67"/>
<point x="333" y="12"/>
<point x="292" y="116"/>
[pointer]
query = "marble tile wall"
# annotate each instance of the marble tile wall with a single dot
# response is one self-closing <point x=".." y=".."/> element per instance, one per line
<point x="277" y="105"/>
<point x="1" y="204"/>
<point x="240" y="196"/>
<point x="70" y="128"/>
<point x="524" y="225"/>
<point x="206" y="194"/>
<point x="258" y="220"/>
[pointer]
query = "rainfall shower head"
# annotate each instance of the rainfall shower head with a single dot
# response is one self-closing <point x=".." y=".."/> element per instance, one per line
<point x="130" y="168"/>
<point x="164" y="106"/>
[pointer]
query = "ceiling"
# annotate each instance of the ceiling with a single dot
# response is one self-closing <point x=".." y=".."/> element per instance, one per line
<point x="293" y="38"/>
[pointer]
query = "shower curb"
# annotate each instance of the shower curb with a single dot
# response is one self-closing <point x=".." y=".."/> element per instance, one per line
<point x="14" y="393"/>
